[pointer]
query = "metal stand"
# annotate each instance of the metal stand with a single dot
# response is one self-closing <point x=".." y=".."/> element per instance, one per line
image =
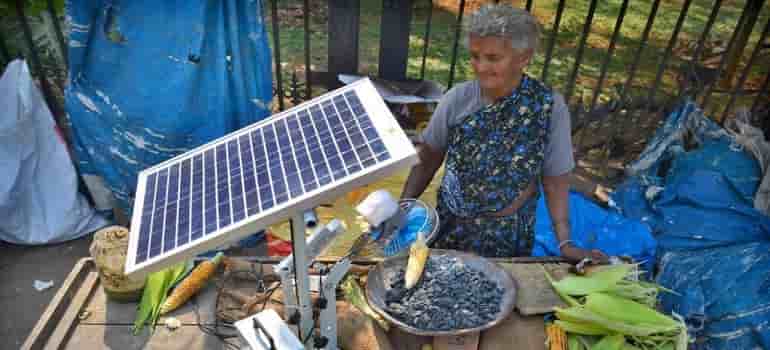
<point x="301" y="284"/>
<point x="295" y="282"/>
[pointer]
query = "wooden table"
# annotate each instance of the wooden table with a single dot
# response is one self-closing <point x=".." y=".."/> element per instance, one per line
<point x="81" y="317"/>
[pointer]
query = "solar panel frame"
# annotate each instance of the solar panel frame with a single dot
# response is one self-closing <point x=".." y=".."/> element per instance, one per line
<point x="398" y="151"/>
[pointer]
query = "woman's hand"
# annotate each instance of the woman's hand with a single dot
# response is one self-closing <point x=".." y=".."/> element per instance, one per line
<point x="575" y="254"/>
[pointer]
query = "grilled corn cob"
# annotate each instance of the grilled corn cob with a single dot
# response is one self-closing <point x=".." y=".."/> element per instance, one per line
<point x="191" y="284"/>
<point x="418" y="257"/>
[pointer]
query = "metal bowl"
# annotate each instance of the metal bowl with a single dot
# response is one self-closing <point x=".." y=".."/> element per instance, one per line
<point x="380" y="277"/>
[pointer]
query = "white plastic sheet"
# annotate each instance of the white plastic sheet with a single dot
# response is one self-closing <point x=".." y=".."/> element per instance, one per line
<point x="39" y="201"/>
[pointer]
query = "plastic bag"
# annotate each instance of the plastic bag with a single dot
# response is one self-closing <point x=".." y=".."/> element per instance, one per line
<point x="39" y="198"/>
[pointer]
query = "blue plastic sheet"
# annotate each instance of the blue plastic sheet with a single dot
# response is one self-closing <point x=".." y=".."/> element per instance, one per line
<point x="149" y="80"/>
<point x="694" y="186"/>
<point x="593" y="227"/>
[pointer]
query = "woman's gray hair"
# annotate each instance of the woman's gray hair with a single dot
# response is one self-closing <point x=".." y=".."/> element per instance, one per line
<point x="506" y="21"/>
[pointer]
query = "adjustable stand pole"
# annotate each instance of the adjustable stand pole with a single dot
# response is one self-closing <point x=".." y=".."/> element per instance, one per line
<point x="302" y="282"/>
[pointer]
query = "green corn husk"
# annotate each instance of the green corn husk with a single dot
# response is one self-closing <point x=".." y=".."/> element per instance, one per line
<point x="580" y="314"/>
<point x="355" y="295"/>
<point x="155" y="292"/>
<point x="627" y="311"/>
<point x="612" y="302"/>
<point x="635" y="291"/>
<point x="600" y="281"/>
<point x="582" y="328"/>
<point x="573" y="342"/>
<point x="567" y="298"/>
<point x="611" y="342"/>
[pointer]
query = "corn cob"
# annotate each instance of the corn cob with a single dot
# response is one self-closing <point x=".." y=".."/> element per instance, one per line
<point x="191" y="284"/>
<point x="418" y="257"/>
<point x="355" y="295"/>
<point x="557" y="338"/>
<point x="155" y="291"/>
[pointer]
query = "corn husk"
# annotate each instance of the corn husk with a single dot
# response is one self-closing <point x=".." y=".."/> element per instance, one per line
<point x="355" y="296"/>
<point x="612" y="303"/>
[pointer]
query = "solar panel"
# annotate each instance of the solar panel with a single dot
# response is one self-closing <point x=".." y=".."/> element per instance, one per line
<point x="262" y="174"/>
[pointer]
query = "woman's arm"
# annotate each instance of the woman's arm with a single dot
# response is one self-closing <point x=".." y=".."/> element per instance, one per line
<point x="422" y="173"/>
<point x="557" y="196"/>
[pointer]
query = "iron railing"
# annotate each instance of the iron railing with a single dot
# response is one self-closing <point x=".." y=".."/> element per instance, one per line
<point x="343" y="24"/>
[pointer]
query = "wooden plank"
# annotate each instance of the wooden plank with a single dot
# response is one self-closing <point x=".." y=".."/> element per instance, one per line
<point x="394" y="41"/>
<point x="119" y="337"/>
<point x="69" y="320"/>
<point x="407" y="341"/>
<point x="58" y="305"/>
<point x="99" y="310"/>
<point x="516" y="332"/>
<point x="343" y="37"/>
<point x="535" y="295"/>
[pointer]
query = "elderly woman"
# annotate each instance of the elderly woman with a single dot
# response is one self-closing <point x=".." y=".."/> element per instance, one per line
<point x="501" y="135"/>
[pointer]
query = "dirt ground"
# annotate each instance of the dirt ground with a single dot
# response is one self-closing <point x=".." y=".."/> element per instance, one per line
<point x="20" y="266"/>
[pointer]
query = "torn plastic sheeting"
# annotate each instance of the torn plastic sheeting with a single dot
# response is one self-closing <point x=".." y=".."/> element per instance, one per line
<point x="593" y="227"/>
<point x="723" y="292"/>
<point x="149" y="80"/>
<point x="39" y="198"/>
<point x="713" y="242"/>
<point x="752" y="139"/>
<point x="708" y="186"/>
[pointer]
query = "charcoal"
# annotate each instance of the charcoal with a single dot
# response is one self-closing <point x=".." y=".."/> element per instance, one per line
<point x="449" y="296"/>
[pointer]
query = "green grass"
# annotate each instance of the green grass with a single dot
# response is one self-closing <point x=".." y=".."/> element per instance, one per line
<point x="438" y="60"/>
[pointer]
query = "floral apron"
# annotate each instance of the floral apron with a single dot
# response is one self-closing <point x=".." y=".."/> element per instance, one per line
<point x="492" y="157"/>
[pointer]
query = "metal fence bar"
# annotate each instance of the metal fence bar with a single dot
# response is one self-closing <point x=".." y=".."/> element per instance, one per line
<point x="4" y="49"/>
<point x="702" y="40"/>
<point x="619" y="126"/>
<point x="738" y="89"/>
<point x="529" y="5"/>
<point x="581" y="47"/>
<point x="426" y="39"/>
<point x="762" y="92"/>
<point x="669" y="49"/>
<point x="458" y="29"/>
<point x="552" y="43"/>
<point x="639" y="50"/>
<point x="710" y="89"/>
<point x="608" y="56"/>
<point x="59" y="33"/>
<point x="36" y="65"/>
<point x="306" y="24"/>
<point x="277" y="53"/>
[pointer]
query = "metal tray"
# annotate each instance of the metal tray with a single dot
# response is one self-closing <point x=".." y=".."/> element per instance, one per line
<point x="380" y="275"/>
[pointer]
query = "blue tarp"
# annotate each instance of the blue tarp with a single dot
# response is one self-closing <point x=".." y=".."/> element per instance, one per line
<point x="694" y="186"/>
<point x="149" y="80"/>
<point x="593" y="227"/>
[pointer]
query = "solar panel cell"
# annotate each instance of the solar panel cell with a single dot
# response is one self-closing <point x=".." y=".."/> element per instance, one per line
<point x="249" y="176"/>
<point x="147" y="211"/>
<point x="209" y="192"/>
<point x="169" y="225"/>
<point x="196" y="204"/>
<point x="236" y="181"/>
<point x="223" y="187"/>
<point x="185" y="178"/>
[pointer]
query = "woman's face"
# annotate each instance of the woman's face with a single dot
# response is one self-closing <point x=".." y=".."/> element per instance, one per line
<point x="496" y="64"/>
